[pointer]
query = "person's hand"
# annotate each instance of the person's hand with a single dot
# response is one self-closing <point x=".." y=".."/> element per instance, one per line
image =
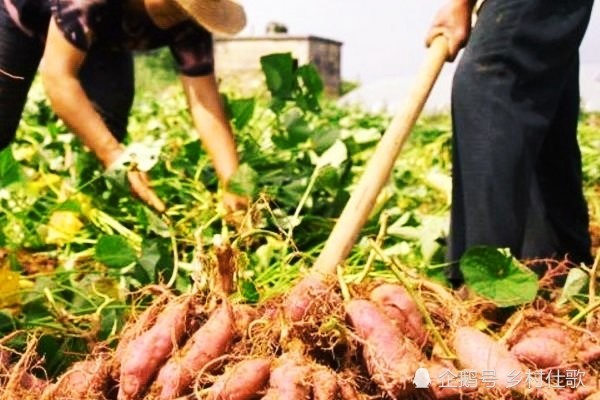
<point x="235" y="207"/>
<point x="140" y="187"/>
<point x="453" y="21"/>
<point x="233" y="202"/>
<point x="138" y="180"/>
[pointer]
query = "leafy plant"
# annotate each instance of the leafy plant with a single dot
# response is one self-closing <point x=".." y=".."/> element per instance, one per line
<point x="496" y="275"/>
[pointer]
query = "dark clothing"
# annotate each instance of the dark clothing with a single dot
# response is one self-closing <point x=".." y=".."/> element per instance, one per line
<point x="111" y="24"/>
<point x="20" y="55"/>
<point x="107" y="72"/>
<point x="515" y="101"/>
<point x="106" y="77"/>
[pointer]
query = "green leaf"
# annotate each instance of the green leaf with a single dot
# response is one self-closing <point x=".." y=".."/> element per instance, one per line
<point x="496" y="275"/>
<point x="192" y="151"/>
<point x="10" y="170"/>
<point x="7" y="323"/>
<point x="279" y="74"/>
<point x="244" y="181"/>
<point x="114" y="251"/>
<point x="298" y="130"/>
<point x="69" y="205"/>
<point x="156" y="224"/>
<point x="324" y="139"/>
<point x="309" y="87"/>
<point x="110" y="323"/>
<point x="576" y="281"/>
<point x="150" y="257"/>
<point x="249" y="292"/>
<point x="311" y="80"/>
<point x="334" y="155"/>
<point x="241" y="111"/>
<point x="328" y="180"/>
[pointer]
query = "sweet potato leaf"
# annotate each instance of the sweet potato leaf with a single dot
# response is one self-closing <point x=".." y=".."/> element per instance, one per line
<point x="497" y="276"/>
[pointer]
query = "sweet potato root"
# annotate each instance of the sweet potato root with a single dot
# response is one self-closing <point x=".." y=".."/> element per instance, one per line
<point x="347" y="391"/>
<point x="206" y="344"/>
<point x="33" y="385"/>
<point x="542" y="352"/>
<point x="243" y="316"/>
<point x="325" y="386"/>
<point x="290" y="379"/>
<point x="145" y="354"/>
<point x="243" y="382"/>
<point x="397" y="304"/>
<point x="544" y="347"/>
<point x="135" y="328"/>
<point x="391" y="359"/>
<point x="477" y="351"/>
<point x="312" y="289"/>
<point x="85" y="380"/>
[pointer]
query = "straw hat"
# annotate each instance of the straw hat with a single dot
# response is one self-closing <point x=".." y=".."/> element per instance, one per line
<point x="217" y="16"/>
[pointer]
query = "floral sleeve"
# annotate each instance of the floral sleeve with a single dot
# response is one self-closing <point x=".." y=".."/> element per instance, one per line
<point x="74" y="18"/>
<point x="192" y="47"/>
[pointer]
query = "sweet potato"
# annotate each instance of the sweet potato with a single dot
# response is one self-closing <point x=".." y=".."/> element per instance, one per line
<point x="397" y="304"/>
<point x="544" y="347"/>
<point x="243" y="316"/>
<point x="325" y="386"/>
<point x="312" y="289"/>
<point x="290" y="379"/>
<point x="135" y="328"/>
<point x="477" y="351"/>
<point x="442" y="382"/>
<point x="589" y="353"/>
<point x="5" y="357"/>
<point x="32" y="384"/>
<point x="206" y="344"/>
<point x="145" y="354"/>
<point x="243" y="382"/>
<point x="541" y="352"/>
<point x="86" y="379"/>
<point x="391" y="359"/>
<point x="347" y="391"/>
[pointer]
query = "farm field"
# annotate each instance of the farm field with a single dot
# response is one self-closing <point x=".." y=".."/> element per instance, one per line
<point x="102" y="298"/>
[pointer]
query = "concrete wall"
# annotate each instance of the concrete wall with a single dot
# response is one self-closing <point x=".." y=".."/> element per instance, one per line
<point x="237" y="60"/>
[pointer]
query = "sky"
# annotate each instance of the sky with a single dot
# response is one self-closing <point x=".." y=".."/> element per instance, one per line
<point x="382" y="38"/>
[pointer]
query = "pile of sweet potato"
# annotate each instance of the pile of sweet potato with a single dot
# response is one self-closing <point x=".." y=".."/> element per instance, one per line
<point x="192" y="347"/>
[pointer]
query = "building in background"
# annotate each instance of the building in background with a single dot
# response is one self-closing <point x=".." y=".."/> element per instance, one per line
<point x="237" y="59"/>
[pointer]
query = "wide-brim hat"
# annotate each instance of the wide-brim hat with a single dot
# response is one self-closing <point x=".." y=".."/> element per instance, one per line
<point x="218" y="16"/>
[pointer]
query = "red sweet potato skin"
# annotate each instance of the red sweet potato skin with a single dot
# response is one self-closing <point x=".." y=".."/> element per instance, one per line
<point x="290" y="379"/>
<point x="347" y="391"/>
<point x="206" y="344"/>
<point x="477" y="351"/>
<point x="391" y="359"/>
<point x="243" y="382"/>
<point x="145" y="354"/>
<point x="395" y="301"/>
<point x="541" y="352"/>
<point x="301" y="296"/>
<point x="544" y="347"/>
<point x="33" y="384"/>
<point x="325" y="386"/>
<point x="86" y="379"/>
<point x="144" y="321"/>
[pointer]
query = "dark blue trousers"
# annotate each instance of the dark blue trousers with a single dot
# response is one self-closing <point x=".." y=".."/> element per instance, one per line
<point x="516" y="161"/>
<point x="106" y="76"/>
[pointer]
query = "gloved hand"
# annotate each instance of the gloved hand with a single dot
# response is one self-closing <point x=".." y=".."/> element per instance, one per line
<point x="135" y="161"/>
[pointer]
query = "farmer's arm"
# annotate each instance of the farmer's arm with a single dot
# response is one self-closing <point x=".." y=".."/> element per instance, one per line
<point x="61" y="64"/>
<point x="453" y="21"/>
<point x="214" y="130"/>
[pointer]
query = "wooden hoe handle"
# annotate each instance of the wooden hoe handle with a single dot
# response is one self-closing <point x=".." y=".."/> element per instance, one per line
<point x="378" y="170"/>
